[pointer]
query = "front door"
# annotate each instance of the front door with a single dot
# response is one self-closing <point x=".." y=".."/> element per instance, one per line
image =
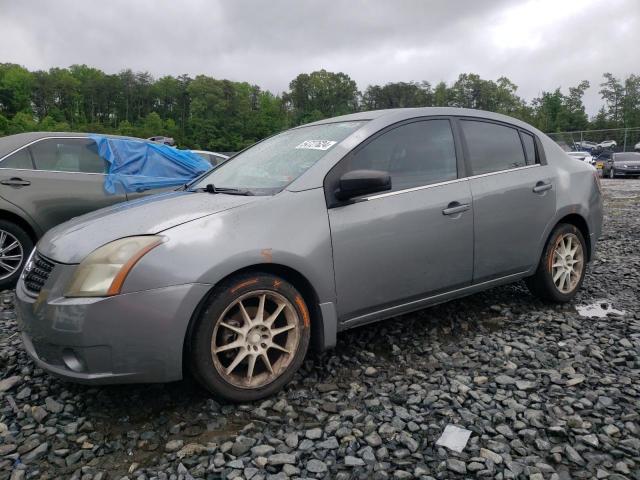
<point x="410" y="242"/>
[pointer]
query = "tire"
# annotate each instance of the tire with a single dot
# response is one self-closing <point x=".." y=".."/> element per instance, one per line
<point x="222" y="323"/>
<point x="12" y="259"/>
<point x="542" y="284"/>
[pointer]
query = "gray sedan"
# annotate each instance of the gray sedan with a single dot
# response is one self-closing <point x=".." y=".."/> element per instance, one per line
<point x="622" y="164"/>
<point x="315" y="230"/>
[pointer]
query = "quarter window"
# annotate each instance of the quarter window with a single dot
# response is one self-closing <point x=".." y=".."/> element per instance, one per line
<point x="529" y="148"/>
<point x="492" y="147"/>
<point x="414" y="154"/>
<point x="20" y="159"/>
<point x="68" y="155"/>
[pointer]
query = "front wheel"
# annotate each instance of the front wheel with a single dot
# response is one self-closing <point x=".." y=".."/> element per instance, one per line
<point x="562" y="266"/>
<point x="251" y="337"/>
<point x="15" y="247"/>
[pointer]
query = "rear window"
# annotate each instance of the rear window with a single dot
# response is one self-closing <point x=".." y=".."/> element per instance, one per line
<point x="20" y="159"/>
<point x="492" y="147"/>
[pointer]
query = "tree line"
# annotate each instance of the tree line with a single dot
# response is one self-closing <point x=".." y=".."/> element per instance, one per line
<point x="223" y="115"/>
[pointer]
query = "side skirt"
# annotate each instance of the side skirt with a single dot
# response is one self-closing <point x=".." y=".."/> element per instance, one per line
<point x="419" y="304"/>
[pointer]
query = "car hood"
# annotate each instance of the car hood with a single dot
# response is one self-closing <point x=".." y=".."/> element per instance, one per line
<point x="630" y="163"/>
<point x="72" y="241"/>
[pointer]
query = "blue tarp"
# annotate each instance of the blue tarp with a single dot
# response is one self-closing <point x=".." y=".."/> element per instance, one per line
<point x="136" y="165"/>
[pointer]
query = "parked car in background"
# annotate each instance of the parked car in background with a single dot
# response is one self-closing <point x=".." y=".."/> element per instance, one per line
<point x="212" y="157"/>
<point x="636" y="147"/>
<point x="164" y="140"/>
<point x="582" y="156"/>
<point x="601" y="158"/>
<point x="45" y="179"/>
<point x="622" y="164"/>
<point x="586" y="145"/>
<point x="312" y="231"/>
<point x="608" y="144"/>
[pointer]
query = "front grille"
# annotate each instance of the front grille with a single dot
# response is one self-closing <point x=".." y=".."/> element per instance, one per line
<point x="38" y="274"/>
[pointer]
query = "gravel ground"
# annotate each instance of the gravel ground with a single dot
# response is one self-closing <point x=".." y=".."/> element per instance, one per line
<point x="546" y="393"/>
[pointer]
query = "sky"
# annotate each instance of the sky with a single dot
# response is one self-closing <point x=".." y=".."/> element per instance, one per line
<point x="538" y="44"/>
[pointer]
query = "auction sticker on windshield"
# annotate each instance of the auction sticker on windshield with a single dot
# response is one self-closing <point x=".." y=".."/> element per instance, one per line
<point x="316" y="145"/>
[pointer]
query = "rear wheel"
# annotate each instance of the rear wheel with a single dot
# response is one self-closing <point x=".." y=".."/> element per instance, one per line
<point x="562" y="266"/>
<point x="251" y="337"/>
<point x="15" y="247"/>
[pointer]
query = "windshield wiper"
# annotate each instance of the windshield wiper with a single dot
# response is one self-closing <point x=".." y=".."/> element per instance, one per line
<point x="210" y="188"/>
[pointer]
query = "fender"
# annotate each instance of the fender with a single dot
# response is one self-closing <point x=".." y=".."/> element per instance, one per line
<point x="10" y="211"/>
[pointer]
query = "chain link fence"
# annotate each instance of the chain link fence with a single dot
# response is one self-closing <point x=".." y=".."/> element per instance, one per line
<point x="626" y="139"/>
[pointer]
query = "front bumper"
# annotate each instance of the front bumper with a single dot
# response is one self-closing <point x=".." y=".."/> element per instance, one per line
<point x="129" y="338"/>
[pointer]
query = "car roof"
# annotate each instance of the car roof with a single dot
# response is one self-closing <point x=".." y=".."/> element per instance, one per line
<point x="393" y="115"/>
<point x="11" y="143"/>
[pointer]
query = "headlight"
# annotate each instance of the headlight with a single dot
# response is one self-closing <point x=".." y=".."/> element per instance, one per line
<point x="104" y="270"/>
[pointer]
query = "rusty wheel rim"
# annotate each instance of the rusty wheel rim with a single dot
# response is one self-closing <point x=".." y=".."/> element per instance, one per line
<point x="255" y="339"/>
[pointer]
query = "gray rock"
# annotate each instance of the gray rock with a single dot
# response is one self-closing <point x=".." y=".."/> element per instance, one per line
<point x="573" y="455"/>
<point x="313" y="434"/>
<point x="174" y="445"/>
<point x="490" y="455"/>
<point x="52" y="405"/>
<point x="351" y="461"/>
<point x="9" y="383"/>
<point x="262" y="450"/>
<point x="281" y="459"/>
<point x="316" y="466"/>
<point x="456" y="465"/>
<point x="35" y="454"/>
<point x="242" y="445"/>
<point x="505" y="380"/>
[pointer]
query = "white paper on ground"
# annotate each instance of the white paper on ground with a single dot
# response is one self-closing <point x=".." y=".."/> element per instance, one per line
<point x="454" y="438"/>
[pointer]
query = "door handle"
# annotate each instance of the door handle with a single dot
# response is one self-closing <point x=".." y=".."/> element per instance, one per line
<point x="542" y="187"/>
<point x="456" y="207"/>
<point x="15" y="182"/>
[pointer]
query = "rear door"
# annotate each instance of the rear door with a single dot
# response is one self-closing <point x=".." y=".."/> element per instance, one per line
<point x="513" y="197"/>
<point x="55" y="179"/>
<point x="402" y="245"/>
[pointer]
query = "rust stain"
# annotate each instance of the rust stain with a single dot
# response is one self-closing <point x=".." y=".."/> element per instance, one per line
<point x="277" y="283"/>
<point x="550" y="262"/>
<point x="267" y="254"/>
<point x="244" y="284"/>
<point x="305" y="312"/>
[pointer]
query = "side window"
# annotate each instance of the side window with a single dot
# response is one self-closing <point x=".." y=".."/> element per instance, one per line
<point x="20" y="159"/>
<point x="492" y="147"/>
<point x="529" y="148"/>
<point x="68" y="155"/>
<point x="414" y="154"/>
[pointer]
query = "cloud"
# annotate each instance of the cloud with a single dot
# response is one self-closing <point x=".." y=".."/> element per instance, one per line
<point x="538" y="44"/>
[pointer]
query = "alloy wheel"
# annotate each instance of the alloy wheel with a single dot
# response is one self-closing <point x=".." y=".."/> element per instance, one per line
<point x="255" y="339"/>
<point x="11" y="254"/>
<point x="568" y="263"/>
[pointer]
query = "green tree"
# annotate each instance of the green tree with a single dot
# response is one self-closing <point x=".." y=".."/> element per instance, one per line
<point x="321" y="94"/>
<point x="397" y="95"/>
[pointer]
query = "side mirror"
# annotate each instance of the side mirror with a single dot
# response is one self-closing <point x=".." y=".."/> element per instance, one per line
<point x="362" y="182"/>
